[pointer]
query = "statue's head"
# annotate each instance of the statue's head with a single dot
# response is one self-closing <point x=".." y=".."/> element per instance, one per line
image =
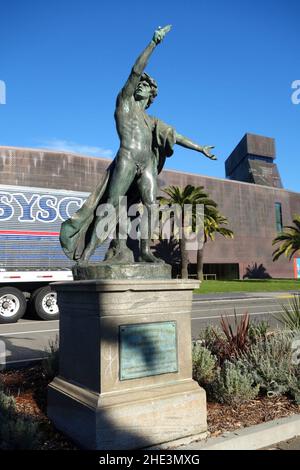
<point x="147" y="88"/>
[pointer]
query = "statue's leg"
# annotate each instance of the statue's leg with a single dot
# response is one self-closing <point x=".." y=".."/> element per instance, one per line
<point x="112" y="249"/>
<point x="118" y="251"/>
<point x="147" y="184"/>
<point x="122" y="178"/>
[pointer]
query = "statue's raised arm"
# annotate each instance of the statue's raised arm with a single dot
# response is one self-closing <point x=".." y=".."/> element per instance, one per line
<point x="141" y="62"/>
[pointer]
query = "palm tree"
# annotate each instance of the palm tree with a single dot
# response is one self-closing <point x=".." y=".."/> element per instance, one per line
<point x="213" y="223"/>
<point x="289" y="239"/>
<point x="213" y="220"/>
<point x="181" y="196"/>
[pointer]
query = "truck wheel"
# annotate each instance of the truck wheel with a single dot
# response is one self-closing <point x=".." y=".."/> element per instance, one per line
<point x="43" y="303"/>
<point x="12" y="304"/>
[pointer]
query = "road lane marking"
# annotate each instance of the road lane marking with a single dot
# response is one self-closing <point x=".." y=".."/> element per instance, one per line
<point x="234" y="300"/>
<point x="26" y="360"/>
<point x="250" y="307"/>
<point x="254" y="299"/>
<point x="24" y="324"/>
<point x="27" y="322"/>
<point x="27" y="332"/>
<point x="238" y="315"/>
<point x="286" y="296"/>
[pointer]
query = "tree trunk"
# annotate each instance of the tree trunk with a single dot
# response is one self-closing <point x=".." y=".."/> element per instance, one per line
<point x="200" y="254"/>
<point x="184" y="258"/>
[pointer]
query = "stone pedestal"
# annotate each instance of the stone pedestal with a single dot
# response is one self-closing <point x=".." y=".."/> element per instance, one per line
<point x="116" y="390"/>
<point x="132" y="271"/>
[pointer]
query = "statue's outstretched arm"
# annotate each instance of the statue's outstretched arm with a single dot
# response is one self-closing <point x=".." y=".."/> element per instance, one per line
<point x="141" y="62"/>
<point x="189" y="144"/>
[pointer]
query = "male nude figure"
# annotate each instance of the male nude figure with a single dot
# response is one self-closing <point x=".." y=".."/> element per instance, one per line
<point x="136" y="161"/>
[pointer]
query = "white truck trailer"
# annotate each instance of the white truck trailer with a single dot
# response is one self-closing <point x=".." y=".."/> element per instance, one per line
<point x="30" y="253"/>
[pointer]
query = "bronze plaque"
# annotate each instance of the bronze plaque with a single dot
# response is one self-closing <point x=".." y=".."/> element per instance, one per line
<point x="148" y="349"/>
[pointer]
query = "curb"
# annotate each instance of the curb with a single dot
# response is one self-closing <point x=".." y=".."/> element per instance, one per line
<point x="241" y="295"/>
<point x="251" y="438"/>
<point x="180" y="443"/>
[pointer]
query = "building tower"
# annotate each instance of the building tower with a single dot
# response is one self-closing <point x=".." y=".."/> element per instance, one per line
<point x="252" y="161"/>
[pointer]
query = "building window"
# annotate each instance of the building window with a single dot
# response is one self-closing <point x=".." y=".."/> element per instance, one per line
<point x="278" y="216"/>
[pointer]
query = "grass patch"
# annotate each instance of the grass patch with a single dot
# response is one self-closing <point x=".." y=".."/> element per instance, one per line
<point x="264" y="285"/>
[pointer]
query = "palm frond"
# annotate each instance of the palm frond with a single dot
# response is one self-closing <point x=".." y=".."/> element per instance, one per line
<point x="289" y="239"/>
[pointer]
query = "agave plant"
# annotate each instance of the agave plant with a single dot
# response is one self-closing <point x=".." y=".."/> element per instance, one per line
<point x="290" y="316"/>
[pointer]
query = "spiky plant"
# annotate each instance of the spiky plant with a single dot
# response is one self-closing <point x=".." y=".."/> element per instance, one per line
<point x="232" y="340"/>
<point x="290" y="316"/>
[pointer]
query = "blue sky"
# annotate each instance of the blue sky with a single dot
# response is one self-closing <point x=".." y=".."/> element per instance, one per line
<point x="225" y="69"/>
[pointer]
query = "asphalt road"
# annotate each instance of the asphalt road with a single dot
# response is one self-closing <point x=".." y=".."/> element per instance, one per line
<point x="266" y="306"/>
<point x="26" y="341"/>
<point x="291" y="444"/>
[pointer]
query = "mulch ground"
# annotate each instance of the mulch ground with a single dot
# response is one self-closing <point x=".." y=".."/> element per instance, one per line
<point x="225" y="418"/>
<point x="29" y="388"/>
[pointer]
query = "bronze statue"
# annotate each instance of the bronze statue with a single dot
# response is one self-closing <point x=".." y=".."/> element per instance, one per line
<point x="145" y="142"/>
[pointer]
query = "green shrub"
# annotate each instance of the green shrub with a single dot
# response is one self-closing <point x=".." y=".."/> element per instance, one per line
<point x="258" y="330"/>
<point x="208" y="336"/>
<point x="294" y="387"/>
<point x="16" y="431"/>
<point x="204" y="364"/>
<point x="51" y="362"/>
<point x="7" y="404"/>
<point x="234" y="385"/>
<point x="269" y="361"/>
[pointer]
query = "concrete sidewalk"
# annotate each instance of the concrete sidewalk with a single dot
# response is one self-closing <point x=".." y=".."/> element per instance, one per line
<point x="271" y="435"/>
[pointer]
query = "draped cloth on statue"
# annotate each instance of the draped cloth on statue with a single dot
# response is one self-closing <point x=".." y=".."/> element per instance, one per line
<point x="76" y="232"/>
